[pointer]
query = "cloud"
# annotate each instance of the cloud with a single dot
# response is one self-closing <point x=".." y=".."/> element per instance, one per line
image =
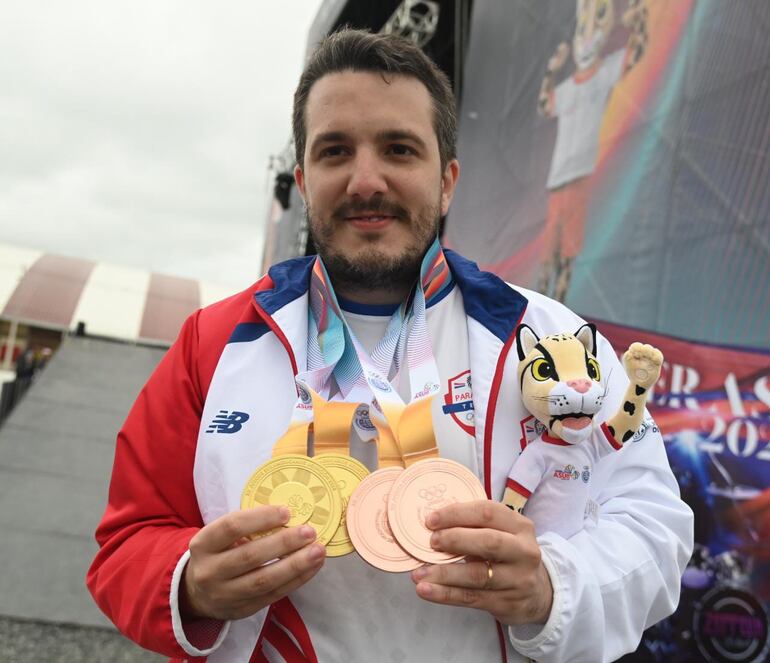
<point x="139" y="132"/>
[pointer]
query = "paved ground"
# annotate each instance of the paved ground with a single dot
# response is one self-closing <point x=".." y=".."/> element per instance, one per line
<point x="36" y="642"/>
<point x="56" y="451"/>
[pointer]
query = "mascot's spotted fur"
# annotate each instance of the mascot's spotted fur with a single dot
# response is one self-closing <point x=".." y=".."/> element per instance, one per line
<point x="561" y="385"/>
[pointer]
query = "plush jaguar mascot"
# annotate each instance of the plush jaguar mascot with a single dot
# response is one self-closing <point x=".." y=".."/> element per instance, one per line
<point x="561" y="386"/>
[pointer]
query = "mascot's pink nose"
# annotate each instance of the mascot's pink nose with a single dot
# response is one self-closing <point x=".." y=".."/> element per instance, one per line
<point x="581" y="386"/>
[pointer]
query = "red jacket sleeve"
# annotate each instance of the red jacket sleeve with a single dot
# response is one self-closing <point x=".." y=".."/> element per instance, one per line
<point x="152" y="512"/>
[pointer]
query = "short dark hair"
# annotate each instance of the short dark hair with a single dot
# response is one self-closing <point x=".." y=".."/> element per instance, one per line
<point x="360" y="50"/>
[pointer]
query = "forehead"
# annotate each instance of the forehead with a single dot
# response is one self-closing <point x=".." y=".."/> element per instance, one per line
<point x="348" y="100"/>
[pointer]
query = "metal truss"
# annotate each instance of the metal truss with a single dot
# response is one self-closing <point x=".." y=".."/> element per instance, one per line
<point x="415" y="20"/>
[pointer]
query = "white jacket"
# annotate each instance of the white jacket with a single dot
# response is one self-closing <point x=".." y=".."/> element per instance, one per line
<point x="611" y="580"/>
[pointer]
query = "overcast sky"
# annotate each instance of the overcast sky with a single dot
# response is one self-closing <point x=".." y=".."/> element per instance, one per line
<point x="139" y="132"/>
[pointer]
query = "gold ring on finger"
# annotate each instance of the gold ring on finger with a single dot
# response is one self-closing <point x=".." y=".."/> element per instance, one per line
<point x="490" y="575"/>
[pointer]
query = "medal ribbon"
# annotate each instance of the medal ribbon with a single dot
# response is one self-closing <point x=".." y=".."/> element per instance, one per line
<point x="405" y="432"/>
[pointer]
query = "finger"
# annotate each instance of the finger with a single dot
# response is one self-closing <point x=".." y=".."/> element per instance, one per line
<point x="460" y="596"/>
<point x="470" y="575"/>
<point x="295" y="583"/>
<point x="268" y="580"/>
<point x="253" y="605"/>
<point x="225" y="531"/>
<point x="253" y="554"/>
<point x="479" y="513"/>
<point x="520" y="549"/>
<point x="497" y="577"/>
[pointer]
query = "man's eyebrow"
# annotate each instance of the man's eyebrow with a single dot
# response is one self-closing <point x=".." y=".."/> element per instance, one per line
<point x="329" y="137"/>
<point x="382" y="136"/>
<point x="401" y="134"/>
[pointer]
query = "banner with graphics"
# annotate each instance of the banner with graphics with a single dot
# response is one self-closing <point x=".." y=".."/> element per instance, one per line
<point x="616" y="155"/>
<point x="712" y="405"/>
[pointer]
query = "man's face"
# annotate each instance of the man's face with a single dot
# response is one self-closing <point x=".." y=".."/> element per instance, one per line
<point x="372" y="179"/>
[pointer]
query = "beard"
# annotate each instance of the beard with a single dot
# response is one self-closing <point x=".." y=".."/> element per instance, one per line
<point x="371" y="268"/>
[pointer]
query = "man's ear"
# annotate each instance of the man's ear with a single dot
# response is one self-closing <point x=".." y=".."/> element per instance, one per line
<point x="526" y="339"/>
<point x="299" y="178"/>
<point x="448" y="183"/>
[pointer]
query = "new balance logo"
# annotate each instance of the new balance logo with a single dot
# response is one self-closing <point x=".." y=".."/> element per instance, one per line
<point x="228" y="422"/>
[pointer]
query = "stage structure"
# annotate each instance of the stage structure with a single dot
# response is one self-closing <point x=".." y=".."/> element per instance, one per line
<point x="616" y="156"/>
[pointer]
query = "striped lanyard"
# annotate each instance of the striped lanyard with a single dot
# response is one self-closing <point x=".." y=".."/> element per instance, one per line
<point x="369" y="401"/>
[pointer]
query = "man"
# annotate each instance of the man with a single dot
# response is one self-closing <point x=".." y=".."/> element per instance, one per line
<point x="375" y="133"/>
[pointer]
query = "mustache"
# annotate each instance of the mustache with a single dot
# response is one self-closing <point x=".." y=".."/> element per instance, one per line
<point x="377" y="205"/>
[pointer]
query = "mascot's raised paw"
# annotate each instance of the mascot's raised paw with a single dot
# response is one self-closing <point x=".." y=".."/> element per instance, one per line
<point x="642" y="363"/>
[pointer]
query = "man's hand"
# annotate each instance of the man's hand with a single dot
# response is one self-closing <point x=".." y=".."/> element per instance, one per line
<point x="504" y="574"/>
<point x="227" y="577"/>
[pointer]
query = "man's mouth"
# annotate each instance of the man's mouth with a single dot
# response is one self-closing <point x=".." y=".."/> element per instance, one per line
<point x="369" y="217"/>
<point x="372" y="215"/>
<point x="370" y="221"/>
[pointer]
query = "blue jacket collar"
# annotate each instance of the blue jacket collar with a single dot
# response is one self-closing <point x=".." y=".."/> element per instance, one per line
<point x="487" y="298"/>
<point x="291" y="279"/>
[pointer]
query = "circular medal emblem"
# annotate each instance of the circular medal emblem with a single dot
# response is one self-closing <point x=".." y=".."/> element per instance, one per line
<point x="423" y="488"/>
<point x="362" y="421"/>
<point x="380" y="384"/>
<point x="368" y="527"/>
<point x="304" y="394"/>
<point x="304" y="487"/>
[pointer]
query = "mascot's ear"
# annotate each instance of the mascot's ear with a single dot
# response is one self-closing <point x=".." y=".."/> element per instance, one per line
<point x="587" y="336"/>
<point x="526" y="339"/>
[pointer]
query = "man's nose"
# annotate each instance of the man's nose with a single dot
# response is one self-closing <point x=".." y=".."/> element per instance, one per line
<point x="367" y="177"/>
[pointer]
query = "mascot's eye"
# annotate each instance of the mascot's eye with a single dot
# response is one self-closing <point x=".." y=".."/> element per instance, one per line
<point x="593" y="370"/>
<point x="542" y="370"/>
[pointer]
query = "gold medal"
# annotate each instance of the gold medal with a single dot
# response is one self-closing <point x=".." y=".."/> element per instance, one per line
<point x="347" y="473"/>
<point x="304" y="487"/>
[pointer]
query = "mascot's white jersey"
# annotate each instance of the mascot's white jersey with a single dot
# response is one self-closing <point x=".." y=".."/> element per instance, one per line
<point x="580" y="109"/>
<point x="558" y="476"/>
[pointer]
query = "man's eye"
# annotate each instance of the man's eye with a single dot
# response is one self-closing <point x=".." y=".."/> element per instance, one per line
<point x="401" y="150"/>
<point x="333" y="151"/>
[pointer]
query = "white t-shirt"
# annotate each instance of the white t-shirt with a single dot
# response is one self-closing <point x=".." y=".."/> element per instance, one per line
<point x="453" y="406"/>
<point x="558" y="476"/>
<point x="350" y="600"/>
<point x="580" y="109"/>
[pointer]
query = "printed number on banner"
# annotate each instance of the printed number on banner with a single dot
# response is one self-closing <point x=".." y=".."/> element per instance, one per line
<point x="741" y="436"/>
